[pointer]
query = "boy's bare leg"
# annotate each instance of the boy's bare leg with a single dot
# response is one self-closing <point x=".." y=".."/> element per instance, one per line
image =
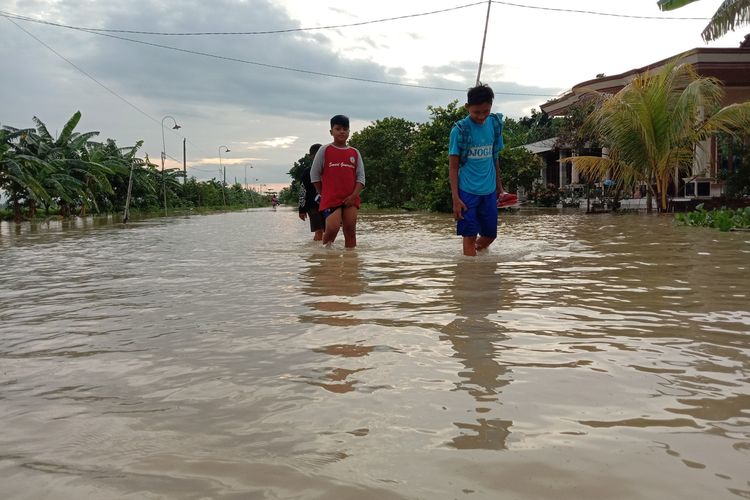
<point x="483" y="242"/>
<point x="350" y="226"/>
<point x="318" y="236"/>
<point x="333" y="223"/>
<point x="470" y="246"/>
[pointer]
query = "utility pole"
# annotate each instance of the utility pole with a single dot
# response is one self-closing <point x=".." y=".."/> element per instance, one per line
<point x="184" y="162"/>
<point x="484" y="39"/>
<point x="126" y="214"/>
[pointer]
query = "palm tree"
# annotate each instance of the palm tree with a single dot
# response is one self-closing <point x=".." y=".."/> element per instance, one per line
<point x="652" y="125"/>
<point x="730" y="14"/>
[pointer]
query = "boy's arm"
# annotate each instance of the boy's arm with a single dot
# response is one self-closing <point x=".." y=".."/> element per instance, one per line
<point x="458" y="204"/>
<point x="360" y="173"/>
<point x="316" y="170"/>
<point x="499" y="182"/>
<point x="360" y="183"/>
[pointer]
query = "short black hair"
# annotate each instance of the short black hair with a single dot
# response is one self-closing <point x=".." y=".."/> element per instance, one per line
<point x="340" y="120"/>
<point x="314" y="149"/>
<point x="480" y="94"/>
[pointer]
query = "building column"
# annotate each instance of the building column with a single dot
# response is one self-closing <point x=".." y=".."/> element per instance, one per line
<point x="574" y="177"/>
<point x="561" y="166"/>
<point x="701" y="162"/>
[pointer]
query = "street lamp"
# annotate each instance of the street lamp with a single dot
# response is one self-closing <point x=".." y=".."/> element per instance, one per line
<point x="224" y="170"/>
<point x="163" y="156"/>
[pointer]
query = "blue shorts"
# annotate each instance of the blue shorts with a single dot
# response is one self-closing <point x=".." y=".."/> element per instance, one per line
<point x="328" y="211"/>
<point x="480" y="216"/>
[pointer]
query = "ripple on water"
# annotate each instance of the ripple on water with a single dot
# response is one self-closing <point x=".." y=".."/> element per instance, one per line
<point x="229" y="355"/>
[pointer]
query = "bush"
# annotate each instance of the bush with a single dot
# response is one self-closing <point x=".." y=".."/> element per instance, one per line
<point x="723" y="219"/>
<point x="546" y="196"/>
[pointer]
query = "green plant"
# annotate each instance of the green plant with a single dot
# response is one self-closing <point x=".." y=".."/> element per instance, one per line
<point x="722" y="219"/>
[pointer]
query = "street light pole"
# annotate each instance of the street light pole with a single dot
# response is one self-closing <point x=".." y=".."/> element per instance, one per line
<point x="163" y="156"/>
<point x="244" y="187"/>
<point x="224" y="170"/>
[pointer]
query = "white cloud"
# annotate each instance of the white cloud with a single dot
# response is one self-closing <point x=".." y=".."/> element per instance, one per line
<point x="276" y="142"/>
<point x="228" y="160"/>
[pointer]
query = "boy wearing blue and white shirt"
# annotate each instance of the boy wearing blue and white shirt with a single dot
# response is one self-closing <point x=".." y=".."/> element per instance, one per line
<point x="474" y="170"/>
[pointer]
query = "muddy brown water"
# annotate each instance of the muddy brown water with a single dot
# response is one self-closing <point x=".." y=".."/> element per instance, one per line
<point x="228" y="356"/>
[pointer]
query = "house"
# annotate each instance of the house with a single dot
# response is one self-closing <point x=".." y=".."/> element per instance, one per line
<point x="729" y="65"/>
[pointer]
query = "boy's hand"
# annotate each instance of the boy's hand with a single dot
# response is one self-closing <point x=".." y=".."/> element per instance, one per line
<point x="458" y="208"/>
<point x="303" y="215"/>
<point x="349" y="200"/>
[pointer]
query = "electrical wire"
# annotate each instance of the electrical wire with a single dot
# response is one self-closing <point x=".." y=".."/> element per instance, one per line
<point x="295" y="70"/>
<point x="339" y="26"/>
<point x="596" y="13"/>
<point x="86" y="74"/>
<point x="81" y="70"/>
<point x="267" y="32"/>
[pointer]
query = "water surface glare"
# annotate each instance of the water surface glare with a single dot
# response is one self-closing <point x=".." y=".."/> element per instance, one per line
<point x="229" y="356"/>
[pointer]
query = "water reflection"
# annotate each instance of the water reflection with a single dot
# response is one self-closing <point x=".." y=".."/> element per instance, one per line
<point x="334" y="280"/>
<point x="220" y="357"/>
<point x="476" y="293"/>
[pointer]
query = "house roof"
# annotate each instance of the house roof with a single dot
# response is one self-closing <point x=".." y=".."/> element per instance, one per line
<point x="541" y="146"/>
<point x="730" y="65"/>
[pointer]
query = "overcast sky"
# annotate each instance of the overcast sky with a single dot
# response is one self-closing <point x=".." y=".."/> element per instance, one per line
<point x="240" y="96"/>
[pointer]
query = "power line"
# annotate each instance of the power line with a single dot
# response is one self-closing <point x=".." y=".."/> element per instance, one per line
<point x="338" y="26"/>
<point x="595" y="13"/>
<point x="82" y="71"/>
<point x="291" y="69"/>
<point x="267" y="32"/>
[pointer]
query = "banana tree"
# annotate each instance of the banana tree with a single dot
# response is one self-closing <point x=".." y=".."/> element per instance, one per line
<point x="729" y="15"/>
<point x="74" y="178"/>
<point x="21" y="171"/>
<point x="652" y="125"/>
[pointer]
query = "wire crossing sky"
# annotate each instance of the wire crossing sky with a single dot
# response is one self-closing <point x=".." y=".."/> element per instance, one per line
<point x="264" y="76"/>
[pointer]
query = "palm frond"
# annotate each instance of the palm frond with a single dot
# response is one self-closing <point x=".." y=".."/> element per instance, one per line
<point x="666" y="5"/>
<point x="730" y="14"/>
<point x="733" y="119"/>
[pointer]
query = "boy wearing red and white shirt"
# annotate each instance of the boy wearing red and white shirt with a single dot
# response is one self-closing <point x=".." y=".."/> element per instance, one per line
<point x="338" y="175"/>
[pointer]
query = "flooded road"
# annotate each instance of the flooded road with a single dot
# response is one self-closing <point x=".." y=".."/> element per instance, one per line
<point x="228" y="356"/>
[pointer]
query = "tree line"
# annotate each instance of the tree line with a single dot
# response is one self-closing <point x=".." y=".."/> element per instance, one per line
<point x="74" y="175"/>
<point x="650" y="129"/>
<point x="406" y="163"/>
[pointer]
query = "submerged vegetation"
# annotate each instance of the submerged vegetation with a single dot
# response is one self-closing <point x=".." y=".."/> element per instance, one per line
<point x="723" y="219"/>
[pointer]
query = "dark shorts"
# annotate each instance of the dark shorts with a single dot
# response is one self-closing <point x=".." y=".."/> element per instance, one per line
<point x="328" y="211"/>
<point x="480" y="216"/>
<point x="316" y="220"/>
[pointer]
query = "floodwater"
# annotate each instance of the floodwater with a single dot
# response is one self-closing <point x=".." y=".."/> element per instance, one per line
<point x="228" y="356"/>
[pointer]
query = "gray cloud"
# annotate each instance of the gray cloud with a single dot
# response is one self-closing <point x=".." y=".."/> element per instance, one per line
<point x="217" y="100"/>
